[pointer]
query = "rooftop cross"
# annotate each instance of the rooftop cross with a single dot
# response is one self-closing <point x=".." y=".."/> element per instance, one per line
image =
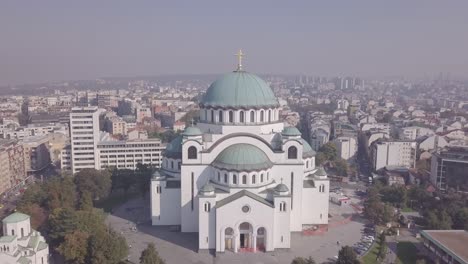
<point x="239" y="57"/>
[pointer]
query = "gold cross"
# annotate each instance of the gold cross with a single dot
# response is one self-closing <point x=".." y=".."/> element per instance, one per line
<point x="239" y="57"/>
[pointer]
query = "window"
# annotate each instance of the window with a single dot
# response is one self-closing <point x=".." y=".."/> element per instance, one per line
<point x="220" y="116"/>
<point x="192" y="189"/>
<point x="322" y="188"/>
<point x="252" y="116"/>
<point x="261" y="177"/>
<point x="269" y="115"/>
<point x="231" y="117"/>
<point x="212" y="116"/>
<point x="307" y="164"/>
<point x="261" y="116"/>
<point x="158" y="189"/>
<point x="207" y="207"/>
<point x="225" y="178"/>
<point x="172" y="164"/>
<point x="234" y="179"/>
<point x="12" y="232"/>
<point x="241" y="117"/>
<point x="206" y="115"/>
<point x="292" y="152"/>
<point x="244" y="179"/>
<point x="219" y="177"/>
<point x="192" y="152"/>
<point x="282" y="207"/>
<point x="253" y="179"/>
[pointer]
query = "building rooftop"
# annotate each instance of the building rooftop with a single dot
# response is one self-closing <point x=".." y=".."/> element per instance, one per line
<point x="15" y="218"/>
<point x="453" y="241"/>
<point x="242" y="157"/>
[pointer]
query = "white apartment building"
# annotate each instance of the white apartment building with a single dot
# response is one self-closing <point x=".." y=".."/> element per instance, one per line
<point x="346" y="147"/>
<point x="393" y="153"/>
<point x="142" y="112"/>
<point x="414" y="132"/>
<point x="127" y="154"/>
<point x="84" y="133"/>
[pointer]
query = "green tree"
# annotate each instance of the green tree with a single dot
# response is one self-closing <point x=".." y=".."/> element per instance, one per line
<point x="60" y="193"/>
<point x="341" y="167"/>
<point x="460" y="219"/>
<point x="86" y="201"/>
<point x="301" y="260"/>
<point x="346" y="255"/>
<point x="320" y="159"/>
<point x="98" y="183"/>
<point x="106" y="247"/>
<point x="62" y="222"/>
<point x="382" y="247"/>
<point x="75" y="247"/>
<point x="123" y="179"/>
<point x="150" y="255"/>
<point x="329" y="150"/>
<point x="143" y="173"/>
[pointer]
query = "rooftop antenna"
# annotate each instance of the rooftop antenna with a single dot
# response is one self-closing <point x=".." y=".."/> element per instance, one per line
<point x="239" y="56"/>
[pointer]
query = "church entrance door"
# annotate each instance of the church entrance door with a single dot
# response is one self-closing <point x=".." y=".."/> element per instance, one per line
<point x="242" y="240"/>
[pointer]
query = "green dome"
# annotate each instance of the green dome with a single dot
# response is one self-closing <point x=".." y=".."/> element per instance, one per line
<point x="15" y="218"/>
<point x="207" y="188"/>
<point x="281" y="188"/>
<point x="242" y="157"/>
<point x="174" y="149"/>
<point x="291" y="131"/>
<point x="307" y="150"/>
<point x="192" y="131"/>
<point x="320" y="172"/>
<point x="239" y="89"/>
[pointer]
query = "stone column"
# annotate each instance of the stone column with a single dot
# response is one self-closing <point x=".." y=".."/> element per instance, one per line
<point x="254" y="243"/>
<point x="235" y="238"/>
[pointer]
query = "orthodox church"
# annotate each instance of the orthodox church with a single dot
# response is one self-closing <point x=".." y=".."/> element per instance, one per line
<point x="240" y="178"/>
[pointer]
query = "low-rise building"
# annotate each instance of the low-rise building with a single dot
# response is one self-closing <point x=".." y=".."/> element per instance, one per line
<point x="414" y="132"/>
<point x="20" y="244"/>
<point x="448" y="246"/>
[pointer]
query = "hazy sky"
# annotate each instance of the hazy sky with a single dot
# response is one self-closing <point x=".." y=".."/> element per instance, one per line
<point x="61" y="40"/>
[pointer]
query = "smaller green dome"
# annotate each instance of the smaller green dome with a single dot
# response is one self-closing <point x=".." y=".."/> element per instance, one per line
<point x="242" y="157"/>
<point x="207" y="188"/>
<point x="281" y="188"/>
<point x="174" y="148"/>
<point x="192" y="131"/>
<point x="15" y="218"/>
<point x="320" y="172"/>
<point x="307" y="151"/>
<point x="291" y="131"/>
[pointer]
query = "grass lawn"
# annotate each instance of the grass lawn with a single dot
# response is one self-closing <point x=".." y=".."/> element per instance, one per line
<point x="407" y="210"/>
<point x="371" y="256"/>
<point x="406" y="253"/>
<point x="115" y="199"/>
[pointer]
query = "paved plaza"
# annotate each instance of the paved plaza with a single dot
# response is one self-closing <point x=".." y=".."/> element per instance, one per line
<point x="132" y="220"/>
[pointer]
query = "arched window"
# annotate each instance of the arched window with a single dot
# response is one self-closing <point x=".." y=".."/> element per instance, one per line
<point x="234" y="179"/>
<point x="241" y="117"/>
<point x="269" y="115"/>
<point x="253" y="179"/>
<point x="219" y="177"/>
<point x="261" y="177"/>
<point x="172" y="164"/>
<point x="192" y="152"/>
<point x="322" y="188"/>
<point x="225" y="178"/>
<point x="212" y="116"/>
<point x="282" y="207"/>
<point x="220" y="116"/>
<point x="231" y="117"/>
<point x="206" y="115"/>
<point x="307" y="164"/>
<point x="261" y="116"/>
<point x="292" y="152"/>
<point x="244" y="179"/>
<point x="12" y="232"/>
<point x="22" y="232"/>
<point x="207" y="206"/>
<point x="268" y="176"/>
<point x="252" y="116"/>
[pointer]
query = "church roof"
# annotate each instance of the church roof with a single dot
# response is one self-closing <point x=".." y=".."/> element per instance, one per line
<point x="240" y="194"/>
<point x="242" y="157"/>
<point x="15" y="218"/>
<point x="291" y="131"/>
<point x="174" y="148"/>
<point x="207" y="188"/>
<point x="307" y="150"/>
<point x="239" y="89"/>
<point x="320" y="172"/>
<point x="281" y="188"/>
<point x="192" y="131"/>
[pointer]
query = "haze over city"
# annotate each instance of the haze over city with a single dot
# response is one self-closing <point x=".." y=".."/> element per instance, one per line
<point x="57" y="40"/>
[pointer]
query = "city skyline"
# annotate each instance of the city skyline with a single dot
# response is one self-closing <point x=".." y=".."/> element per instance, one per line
<point x="53" y="41"/>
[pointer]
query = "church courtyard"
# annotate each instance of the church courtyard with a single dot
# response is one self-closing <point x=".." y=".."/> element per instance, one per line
<point x="131" y="219"/>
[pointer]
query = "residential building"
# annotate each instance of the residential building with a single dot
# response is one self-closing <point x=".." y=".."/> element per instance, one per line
<point x="393" y="153"/>
<point x="36" y="153"/>
<point x="20" y="243"/>
<point x="143" y="112"/>
<point x="449" y="169"/>
<point x="414" y="132"/>
<point x="116" y="126"/>
<point x="346" y="147"/>
<point x="12" y="165"/>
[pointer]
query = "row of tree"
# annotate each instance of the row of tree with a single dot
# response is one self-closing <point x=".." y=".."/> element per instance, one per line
<point x="346" y="255"/>
<point x="62" y="208"/>
<point x="328" y="156"/>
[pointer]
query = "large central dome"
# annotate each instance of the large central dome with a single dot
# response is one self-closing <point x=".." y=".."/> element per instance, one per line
<point x="239" y="89"/>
